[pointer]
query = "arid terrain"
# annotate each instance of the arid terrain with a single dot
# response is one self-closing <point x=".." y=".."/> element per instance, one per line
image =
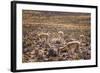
<point x="55" y="36"/>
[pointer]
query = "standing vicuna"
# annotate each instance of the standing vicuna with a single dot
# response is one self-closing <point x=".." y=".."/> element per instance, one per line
<point x="74" y="44"/>
<point x="59" y="39"/>
<point x="57" y="42"/>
